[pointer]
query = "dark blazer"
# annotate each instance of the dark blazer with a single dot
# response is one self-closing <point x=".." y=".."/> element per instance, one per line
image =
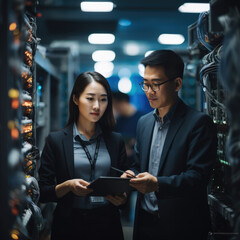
<point x="57" y="165"/>
<point x="185" y="168"/>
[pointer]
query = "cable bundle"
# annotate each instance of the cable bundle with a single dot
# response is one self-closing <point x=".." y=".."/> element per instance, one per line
<point x="200" y="31"/>
<point x="230" y="78"/>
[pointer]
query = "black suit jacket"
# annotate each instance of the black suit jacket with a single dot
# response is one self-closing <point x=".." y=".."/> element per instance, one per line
<point x="57" y="165"/>
<point x="185" y="167"/>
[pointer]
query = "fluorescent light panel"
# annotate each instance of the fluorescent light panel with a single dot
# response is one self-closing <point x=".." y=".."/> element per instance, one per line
<point x="105" y="68"/>
<point x="141" y="69"/>
<point x="131" y="49"/>
<point x="103" y="56"/>
<point x="148" y="53"/>
<point x="124" y="85"/>
<point x="171" y="39"/>
<point x="194" y="7"/>
<point x="101" y="38"/>
<point x="96" y="6"/>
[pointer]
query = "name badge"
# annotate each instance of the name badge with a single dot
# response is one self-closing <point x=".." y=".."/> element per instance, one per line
<point x="94" y="199"/>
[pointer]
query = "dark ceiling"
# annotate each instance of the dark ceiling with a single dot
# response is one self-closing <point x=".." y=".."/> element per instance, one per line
<point x="63" y="20"/>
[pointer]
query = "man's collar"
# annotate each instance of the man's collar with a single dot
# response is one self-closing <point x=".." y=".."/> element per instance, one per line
<point x="167" y="116"/>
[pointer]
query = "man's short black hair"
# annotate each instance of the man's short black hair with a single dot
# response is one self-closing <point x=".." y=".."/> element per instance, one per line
<point x="171" y="62"/>
<point x="120" y="96"/>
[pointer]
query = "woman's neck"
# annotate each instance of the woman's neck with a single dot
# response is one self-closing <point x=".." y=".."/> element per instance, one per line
<point x="86" y="128"/>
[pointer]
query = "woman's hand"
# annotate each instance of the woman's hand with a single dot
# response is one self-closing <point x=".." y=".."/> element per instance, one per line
<point x="117" y="200"/>
<point x="79" y="187"/>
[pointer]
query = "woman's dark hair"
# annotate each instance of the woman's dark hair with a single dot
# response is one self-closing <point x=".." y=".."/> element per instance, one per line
<point x="171" y="62"/>
<point x="107" y="121"/>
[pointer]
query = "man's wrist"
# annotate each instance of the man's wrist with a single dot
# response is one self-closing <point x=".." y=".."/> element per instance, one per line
<point x="156" y="184"/>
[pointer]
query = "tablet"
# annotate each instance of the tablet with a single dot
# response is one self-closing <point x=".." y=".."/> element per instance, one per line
<point x="103" y="186"/>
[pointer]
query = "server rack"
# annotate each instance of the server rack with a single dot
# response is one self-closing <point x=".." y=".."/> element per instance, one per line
<point x="206" y="37"/>
<point x="21" y="215"/>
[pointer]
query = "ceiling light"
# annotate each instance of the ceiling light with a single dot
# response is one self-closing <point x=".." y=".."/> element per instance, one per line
<point x="96" y="6"/>
<point x="107" y="74"/>
<point x="105" y="68"/>
<point x="194" y="7"/>
<point x="103" y="56"/>
<point x="101" y="38"/>
<point x="148" y="53"/>
<point x="171" y="39"/>
<point x="124" y="85"/>
<point x="141" y="69"/>
<point x="131" y="49"/>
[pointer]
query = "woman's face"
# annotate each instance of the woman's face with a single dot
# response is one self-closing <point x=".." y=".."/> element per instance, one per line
<point x="92" y="103"/>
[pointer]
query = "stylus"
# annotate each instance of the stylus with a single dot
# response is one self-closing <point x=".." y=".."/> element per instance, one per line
<point x="121" y="171"/>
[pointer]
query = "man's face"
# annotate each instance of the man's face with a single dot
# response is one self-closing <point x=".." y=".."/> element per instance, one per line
<point x="167" y="92"/>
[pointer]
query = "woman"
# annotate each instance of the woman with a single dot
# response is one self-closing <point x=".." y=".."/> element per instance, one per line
<point x="84" y="150"/>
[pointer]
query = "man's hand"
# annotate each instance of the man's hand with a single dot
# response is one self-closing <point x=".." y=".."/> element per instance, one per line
<point x="117" y="200"/>
<point x="145" y="183"/>
<point x="126" y="175"/>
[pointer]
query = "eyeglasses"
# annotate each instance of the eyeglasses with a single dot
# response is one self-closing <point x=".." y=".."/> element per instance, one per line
<point x="154" y="86"/>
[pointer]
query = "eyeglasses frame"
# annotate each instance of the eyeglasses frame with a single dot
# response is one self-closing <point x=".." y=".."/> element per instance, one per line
<point x="159" y="84"/>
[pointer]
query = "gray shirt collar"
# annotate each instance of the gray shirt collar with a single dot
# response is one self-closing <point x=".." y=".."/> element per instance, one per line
<point x="77" y="134"/>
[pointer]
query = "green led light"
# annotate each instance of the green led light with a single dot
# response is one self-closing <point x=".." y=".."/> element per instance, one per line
<point x="224" y="162"/>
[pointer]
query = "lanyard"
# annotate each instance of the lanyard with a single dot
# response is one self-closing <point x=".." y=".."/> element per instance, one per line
<point x="91" y="161"/>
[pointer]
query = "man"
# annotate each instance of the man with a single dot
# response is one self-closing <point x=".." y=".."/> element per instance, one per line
<point x="175" y="149"/>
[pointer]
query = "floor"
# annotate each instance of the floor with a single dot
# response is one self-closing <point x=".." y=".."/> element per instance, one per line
<point x="128" y="217"/>
<point x="127" y="232"/>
